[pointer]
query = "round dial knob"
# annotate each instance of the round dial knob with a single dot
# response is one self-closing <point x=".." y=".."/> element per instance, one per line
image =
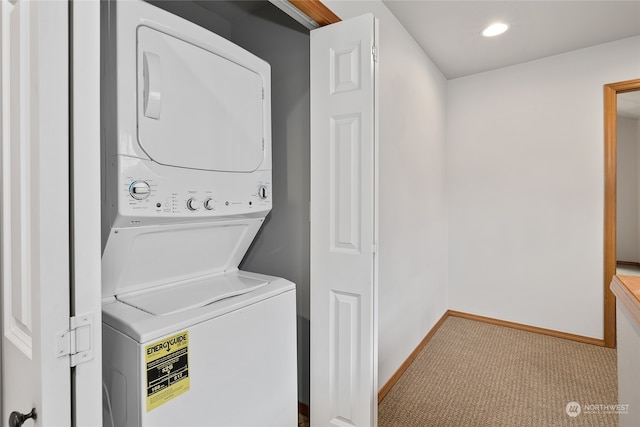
<point x="209" y="204"/>
<point x="192" y="204"/>
<point x="263" y="192"/>
<point x="139" y="190"/>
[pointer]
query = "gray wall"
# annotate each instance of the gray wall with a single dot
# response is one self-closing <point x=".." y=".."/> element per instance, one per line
<point x="282" y="246"/>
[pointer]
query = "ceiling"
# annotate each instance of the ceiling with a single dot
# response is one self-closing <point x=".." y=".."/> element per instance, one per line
<point x="449" y="31"/>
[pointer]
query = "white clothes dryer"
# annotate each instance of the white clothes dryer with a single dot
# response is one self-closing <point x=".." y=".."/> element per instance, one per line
<point x="188" y="339"/>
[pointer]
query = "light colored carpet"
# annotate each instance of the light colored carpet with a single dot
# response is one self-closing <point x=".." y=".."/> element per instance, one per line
<point x="473" y="374"/>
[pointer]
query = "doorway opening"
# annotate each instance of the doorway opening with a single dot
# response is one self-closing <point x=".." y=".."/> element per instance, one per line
<point x="611" y="92"/>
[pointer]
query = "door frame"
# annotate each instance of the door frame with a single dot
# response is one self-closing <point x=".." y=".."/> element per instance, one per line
<point x="84" y="194"/>
<point x="611" y="92"/>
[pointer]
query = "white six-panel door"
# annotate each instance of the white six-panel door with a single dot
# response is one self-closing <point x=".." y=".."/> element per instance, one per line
<point x="35" y="209"/>
<point x="343" y="224"/>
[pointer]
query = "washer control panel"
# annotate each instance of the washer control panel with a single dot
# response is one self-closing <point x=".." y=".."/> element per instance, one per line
<point x="145" y="196"/>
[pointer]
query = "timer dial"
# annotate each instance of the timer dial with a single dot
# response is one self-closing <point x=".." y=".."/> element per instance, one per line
<point x="139" y="190"/>
<point x="263" y="192"/>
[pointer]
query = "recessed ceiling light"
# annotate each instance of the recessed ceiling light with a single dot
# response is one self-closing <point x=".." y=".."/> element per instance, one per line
<point x="495" y="29"/>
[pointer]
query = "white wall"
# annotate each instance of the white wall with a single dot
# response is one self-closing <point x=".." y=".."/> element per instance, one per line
<point x="525" y="165"/>
<point x="412" y="201"/>
<point x="628" y="219"/>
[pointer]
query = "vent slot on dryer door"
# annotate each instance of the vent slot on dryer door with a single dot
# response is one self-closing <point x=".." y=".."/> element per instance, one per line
<point x="197" y="109"/>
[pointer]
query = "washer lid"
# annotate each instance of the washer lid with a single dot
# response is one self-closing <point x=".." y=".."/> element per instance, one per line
<point x="197" y="109"/>
<point x="143" y="327"/>
<point x="191" y="294"/>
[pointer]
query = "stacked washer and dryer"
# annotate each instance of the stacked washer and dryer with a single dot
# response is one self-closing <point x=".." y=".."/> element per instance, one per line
<point x="188" y="338"/>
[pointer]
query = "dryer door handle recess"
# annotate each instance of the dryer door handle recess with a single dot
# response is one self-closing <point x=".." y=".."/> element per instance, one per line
<point x="152" y="85"/>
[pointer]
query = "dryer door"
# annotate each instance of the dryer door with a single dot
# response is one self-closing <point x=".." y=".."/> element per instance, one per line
<point x="197" y="109"/>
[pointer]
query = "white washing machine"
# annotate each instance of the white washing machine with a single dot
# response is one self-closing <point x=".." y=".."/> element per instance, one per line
<point x="188" y="339"/>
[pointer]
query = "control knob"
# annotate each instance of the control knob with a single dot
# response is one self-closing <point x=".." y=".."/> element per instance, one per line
<point x="192" y="204"/>
<point x="139" y="190"/>
<point x="263" y="192"/>
<point x="209" y="204"/>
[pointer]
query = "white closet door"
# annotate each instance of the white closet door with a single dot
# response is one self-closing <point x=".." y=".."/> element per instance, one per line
<point x="343" y="224"/>
<point x="35" y="209"/>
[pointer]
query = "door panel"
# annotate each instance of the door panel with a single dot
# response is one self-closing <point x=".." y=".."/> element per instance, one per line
<point x="35" y="209"/>
<point x="343" y="224"/>
<point x="17" y="295"/>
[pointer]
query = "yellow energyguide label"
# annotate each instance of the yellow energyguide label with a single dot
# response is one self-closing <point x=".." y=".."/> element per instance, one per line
<point x="167" y="366"/>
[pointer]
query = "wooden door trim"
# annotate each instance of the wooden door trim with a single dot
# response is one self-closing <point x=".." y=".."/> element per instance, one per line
<point x="317" y="11"/>
<point x="610" y="185"/>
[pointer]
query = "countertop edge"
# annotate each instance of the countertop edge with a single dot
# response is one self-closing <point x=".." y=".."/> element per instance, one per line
<point x="627" y="291"/>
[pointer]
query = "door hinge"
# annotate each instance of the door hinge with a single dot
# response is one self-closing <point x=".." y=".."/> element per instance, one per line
<point x="374" y="53"/>
<point x="374" y="248"/>
<point x="76" y="341"/>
